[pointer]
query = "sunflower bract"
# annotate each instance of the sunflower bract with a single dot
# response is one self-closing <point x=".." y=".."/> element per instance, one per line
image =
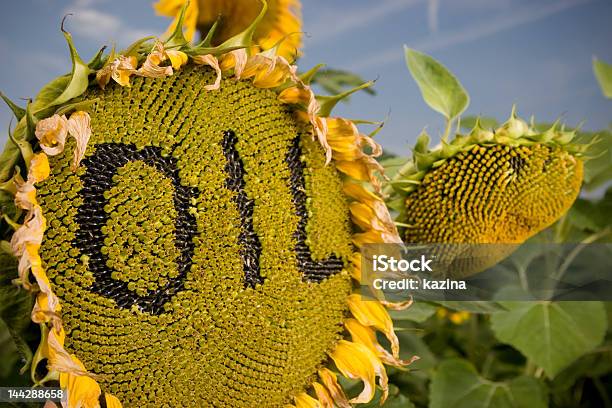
<point x="198" y="250"/>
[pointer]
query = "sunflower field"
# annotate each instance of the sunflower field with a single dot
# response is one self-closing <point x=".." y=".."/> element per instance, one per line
<point x="188" y="222"/>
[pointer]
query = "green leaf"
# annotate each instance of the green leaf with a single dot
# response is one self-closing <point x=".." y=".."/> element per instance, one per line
<point x="82" y="105"/>
<point x="418" y="312"/>
<point x="456" y="384"/>
<point x="243" y="39"/>
<point x="79" y="76"/>
<point x="49" y="93"/>
<point x="472" y="306"/>
<point x="413" y="345"/>
<point x="97" y="61"/>
<point x="133" y="49"/>
<point x="19" y="112"/>
<point x="177" y="38"/>
<point x="598" y="168"/>
<point x="603" y="73"/>
<point x="393" y="164"/>
<point x="396" y="399"/>
<point x="308" y="76"/>
<point x="551" y="334"/>
<point x="335" y="81"/>
<point x="439" y="87"/>
<point x="15" y="308"/>
<point x="328" y="102"/>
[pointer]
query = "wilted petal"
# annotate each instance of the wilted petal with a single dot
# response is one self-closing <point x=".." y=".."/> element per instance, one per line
<point x="25" y="197"/>
<point x="366" y="336"/>
<point x="212" y="61"/>
<point x="325" y="400"/>
<point x="60" y="360"/>
<point x="122" y="68"/>
<point x="235" y="60"/>
<point x="151" y="70"/>
<point x="372" y="313"/>
<point x="31" y="232"/>
<point x="83" y="391"/>
<point x="177" y="58"/>
<point x="329" y="379"/>
<point x="79" y="127"/>
<point x="356" y="361"/>
<point x="51" y="134"/>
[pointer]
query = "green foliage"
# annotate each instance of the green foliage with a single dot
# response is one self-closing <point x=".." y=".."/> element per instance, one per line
<point x="15" y="307"/>
<point x="335" y="81"/>
<point x="439" y="87"/>
<point x="603" y="73"/>
<point x="418" y="312"/>
<point x="510" y="354"/>
<point x="456" y="384"/>
<point x="551" y="334"/>
<point x="486" y="122"/>
<point x="79" y="76"/>
<point x="598" y="166"/>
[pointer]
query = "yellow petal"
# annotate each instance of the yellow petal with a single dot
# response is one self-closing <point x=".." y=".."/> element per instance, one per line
<point x="304" y="400"/>
<point x="355" y="266"/>
<point x="83" y="391"/>
<point x="325" y="400"/>
<point x="295" y="94"/>
<point x="372" y="313"/>
<point x="177" y="58"/>
<point x="112" y="401"/>
<point x="361" y="194"/>
<point x="212" y="61"/>
<point x="356" y="361"/>
<point x="364" y="217"/>
<point x="366" y="336"/>
<point x="79" y="127"/>
<point x="328" y="378"/>
<point x="235" y="60"/>
<point x="375" y="237"/>
<point x="51" y="134"/>
<point x="39" y="168"/>
<point x="354" y="169"/>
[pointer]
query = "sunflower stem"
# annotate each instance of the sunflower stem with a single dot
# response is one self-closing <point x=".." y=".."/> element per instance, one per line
<point x="447" y="129"/>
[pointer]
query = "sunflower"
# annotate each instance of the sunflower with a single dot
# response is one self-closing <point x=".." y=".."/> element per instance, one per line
<point x="281" y="24"/>
<point x="498" y="186"/>
<point x="192" y="223"/>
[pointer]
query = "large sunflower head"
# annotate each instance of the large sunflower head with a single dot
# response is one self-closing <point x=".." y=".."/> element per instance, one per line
<point x="192" y="221"/>
<point x="281" y="23"/>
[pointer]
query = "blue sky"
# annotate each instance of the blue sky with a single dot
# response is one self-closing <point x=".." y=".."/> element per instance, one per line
<point x="536" y="54"/>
